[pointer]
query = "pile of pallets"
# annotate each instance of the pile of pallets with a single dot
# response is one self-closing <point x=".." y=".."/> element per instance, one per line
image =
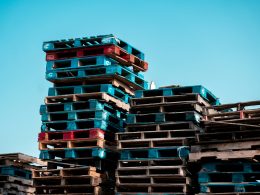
<point x="16" y="173"/>
<point x="161" y="126"/>
<point x="227" y="151"/>
<point x="60" y="179"/>
<point x="93" y="79"/>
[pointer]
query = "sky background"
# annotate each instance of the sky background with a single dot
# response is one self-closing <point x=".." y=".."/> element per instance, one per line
<point x="213" y="43"/>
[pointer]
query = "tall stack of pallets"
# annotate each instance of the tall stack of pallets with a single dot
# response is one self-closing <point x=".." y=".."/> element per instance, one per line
<point x="93" y="78"/>
<point x="161" y="126"/>
<point x="16" y="173"/>
<point x="227" y="151"/>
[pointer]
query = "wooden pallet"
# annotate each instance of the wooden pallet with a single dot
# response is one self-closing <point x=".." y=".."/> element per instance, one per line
<point x="228" y="177"/>
<point x="66" y="180"/>
<point x="167" y="107"/>
<point x="157" y="135"/>
<point x="175" y="171"/>
<point x="105" y="74"/>
<point x="225" y="155"/>
<point x="64" y="172"/>
<point x="177" y="152"/>
<point x="154" y="143"/>
<point x="186" y="125"/>
<point x="16" y="180"/>
<point x="163" y="117"/>
<point x="85" y="97"/>
<point x="229" y="146"/>
<point x="68" y="189"/>
<point x="18" y="188"/>
<point x="112" y="51"/>
<point x="229" y="187"/>
<point x="234" y="106"/>
<point x="187" y="98"/>
<point x="228" y="136"/>
<point x="153" y="188"/>
<point x="100" y="164"/>
<point x="166" y="179"/>
<point x="21" y="160"/>
<point x="232" y="125"/>
<point x="151" y="163"/>
<point x="234" y="115"/>
<point x="115" y="81"/>
<point x="82" y="143"/>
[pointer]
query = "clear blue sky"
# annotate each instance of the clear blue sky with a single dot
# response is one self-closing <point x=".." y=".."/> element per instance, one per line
<point x="214" y="43"/>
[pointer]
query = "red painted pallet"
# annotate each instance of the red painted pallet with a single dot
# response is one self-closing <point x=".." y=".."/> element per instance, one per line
<point x="71" y="135"/>
<point x="112" y="51"/>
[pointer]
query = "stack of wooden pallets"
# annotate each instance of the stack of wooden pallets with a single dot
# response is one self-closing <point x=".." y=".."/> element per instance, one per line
<point x="16" y="173"/>
<point x="227" y="151"/>
<point x="59" y="178"/>
<point x="161" y="126"/>
<point x="93" y="79"/>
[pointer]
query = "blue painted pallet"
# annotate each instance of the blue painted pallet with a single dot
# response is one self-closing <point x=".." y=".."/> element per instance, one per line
<point x="67" y="153"/>
<point x="236" y="177"/>
<point x="155" y="153"/>
<point x="82" y="105"/>
<point x="97" y="72"/>
<point x="16" y="172"/>
<point x="198" y="89"/>
<point x="227" y="166"/>
<point x="163" y="117"/>
<point x="106" y="88"/>
<point x="90" y="42"/>
<point x="80" y="125"/>
<point x="74" y="63"/>
<point x="82" y="115"/>
<point x="229" y="187"/>
<point x="86" y="62"/>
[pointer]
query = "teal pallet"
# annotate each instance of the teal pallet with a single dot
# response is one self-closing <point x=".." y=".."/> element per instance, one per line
<point x="229" y="187"/>
<point x="105" y="88"/>
<point x="15" y="172"/>
<point x="220" y="177"/>
<point x="155" y="153"/>
<point x="85" y="63"/>
<point x="196" y="89"/>
<point x="74" y="63"/>
<point x="67" y="153"/>
<point x="82" y="106"/>
<point x="163" y="117"/>
<point x="230" y="166"/>
<point x="83" y="115"/>
<point x="80" y="125"/>
<point x="100" y="164"/>
<point x="69" y="75"/>
<point x="90" y="42"/>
